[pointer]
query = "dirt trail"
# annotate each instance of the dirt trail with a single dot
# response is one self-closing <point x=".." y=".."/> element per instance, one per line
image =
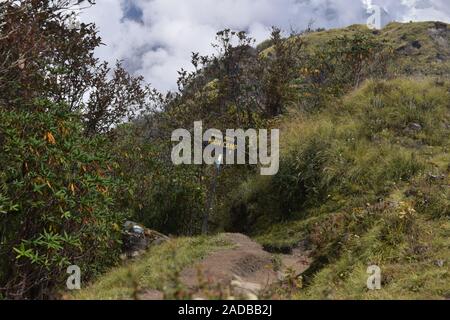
<point x="246" y="268"/>
<point x="246" y="265"/>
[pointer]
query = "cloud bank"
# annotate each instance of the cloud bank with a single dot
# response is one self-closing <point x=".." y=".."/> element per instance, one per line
<point x="155" y="38"/>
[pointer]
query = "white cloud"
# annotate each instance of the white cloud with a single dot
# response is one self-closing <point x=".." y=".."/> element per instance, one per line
<point x="155" y="38"/>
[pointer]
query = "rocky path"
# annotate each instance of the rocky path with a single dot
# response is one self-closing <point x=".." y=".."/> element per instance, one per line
<point x="246" y="267"/>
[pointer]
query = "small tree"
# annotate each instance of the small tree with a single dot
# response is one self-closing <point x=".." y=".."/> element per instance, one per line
<point x="341" y="65"/>
<point x="280" y="67"/>
<point x="44" y="55"/>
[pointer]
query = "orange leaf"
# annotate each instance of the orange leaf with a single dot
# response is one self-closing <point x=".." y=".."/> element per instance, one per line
<point x="72" y="188"/>
<point x="50" y="138"/>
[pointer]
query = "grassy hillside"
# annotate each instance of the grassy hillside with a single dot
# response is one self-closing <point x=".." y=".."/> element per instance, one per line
<point x="419" y="47"/>
<point x="363" y="180"/>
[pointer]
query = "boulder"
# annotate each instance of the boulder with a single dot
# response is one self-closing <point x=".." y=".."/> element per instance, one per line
<point x="137" y="238"/>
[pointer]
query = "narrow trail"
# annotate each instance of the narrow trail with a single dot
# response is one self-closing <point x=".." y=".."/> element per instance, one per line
<point x="246" y="267"/>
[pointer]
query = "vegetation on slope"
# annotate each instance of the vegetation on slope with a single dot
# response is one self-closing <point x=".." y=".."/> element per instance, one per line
<point x="364" y="167"/>
<point x="419" y="47"/>
<point x="364" y="182"/>
<point x="59" y="179"/>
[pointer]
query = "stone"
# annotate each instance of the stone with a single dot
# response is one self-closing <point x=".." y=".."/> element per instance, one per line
<point x="249" y="290"/>
<point x="435" y="177"/>
<point x="413" y="126"/>
<point x="440" y="263"/>
<point x="440" y="25"/>
<point x="137" y="239"/>
<point x="416" y="44"/>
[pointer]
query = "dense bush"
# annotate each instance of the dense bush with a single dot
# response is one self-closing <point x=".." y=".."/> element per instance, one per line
<point x="59" y="184"/>
<point x="342" y="63"/>
<point x="56" y="201"/>
<point x="157" y="193"/>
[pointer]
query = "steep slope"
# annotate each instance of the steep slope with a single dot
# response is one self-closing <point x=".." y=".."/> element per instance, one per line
<point x="364" y="182"/>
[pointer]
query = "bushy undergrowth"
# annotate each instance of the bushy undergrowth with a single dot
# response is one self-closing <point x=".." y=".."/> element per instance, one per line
<point x="56" y="201"/>
<point x="157" y="193"/>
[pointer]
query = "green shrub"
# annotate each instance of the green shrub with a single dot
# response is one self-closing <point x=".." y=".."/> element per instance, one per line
<point x="55" y="201"/>
<point x="158" y="194"/>
<point x="342" y="63"/>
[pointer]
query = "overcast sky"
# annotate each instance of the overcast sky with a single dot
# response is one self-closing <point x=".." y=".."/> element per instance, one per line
<point x="155" y="38"/>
